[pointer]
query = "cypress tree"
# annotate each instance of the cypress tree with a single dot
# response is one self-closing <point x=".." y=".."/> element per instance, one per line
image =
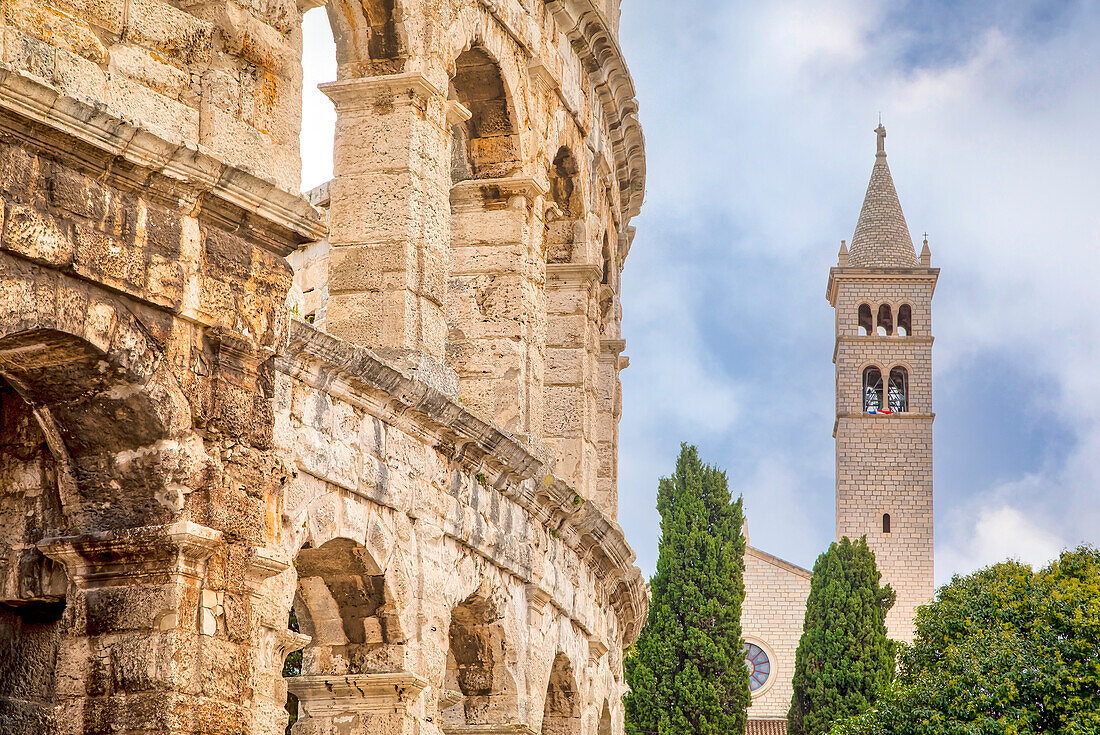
<point x="844" y="658"/>
<point x="687" y="671"/>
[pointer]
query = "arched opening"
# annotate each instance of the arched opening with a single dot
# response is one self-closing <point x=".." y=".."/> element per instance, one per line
<point x="905" y="320"/>
<point x="476" y="666"/>
<point x="886" y="523"/>
<point x="872" y="390"/>
<point x="368" y="39"/>
<point x="866" y="325"/>
<point x="561" y="223"/>
<point x="899" y="390"/>
<point x="605" y="721"/>
<point x="33" y="599"/>
<point x="885" y="321"/>
<point x="315" y="141"/>
<point x="484" y="146"/>
<point x="561" y="714"/>
<point x="343" y="604"/>
<point x="292" y="667"/>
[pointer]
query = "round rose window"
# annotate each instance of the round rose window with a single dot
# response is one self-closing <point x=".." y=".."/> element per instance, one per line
<point x="758" y="664"/>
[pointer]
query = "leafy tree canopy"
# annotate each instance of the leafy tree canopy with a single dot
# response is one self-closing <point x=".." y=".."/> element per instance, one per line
<point x="687" y="671"/>
<point x="1002" y="651"/>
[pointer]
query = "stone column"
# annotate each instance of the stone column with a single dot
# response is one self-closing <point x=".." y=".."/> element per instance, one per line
<point x="388" y="220"/>
<point x="357" y="704"/>
<point x="572" y="355"/>
<point x="133" y="660"/>
<point x="495" y="300"/>
<point x="609" y="410"/>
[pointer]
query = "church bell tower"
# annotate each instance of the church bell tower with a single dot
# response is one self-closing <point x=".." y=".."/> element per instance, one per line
<point x="882" y="294"/>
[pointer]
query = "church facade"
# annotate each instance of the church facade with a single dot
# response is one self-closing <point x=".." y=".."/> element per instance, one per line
<point x="882" y="292"/>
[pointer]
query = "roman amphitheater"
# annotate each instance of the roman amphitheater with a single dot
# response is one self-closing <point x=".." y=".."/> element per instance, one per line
<point x="389" y="404"/>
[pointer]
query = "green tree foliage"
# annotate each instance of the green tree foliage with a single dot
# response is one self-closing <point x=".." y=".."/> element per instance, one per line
<point x="844" y="657"/>
<point x="687" y="671"/>
<point x="1002" y="651"/>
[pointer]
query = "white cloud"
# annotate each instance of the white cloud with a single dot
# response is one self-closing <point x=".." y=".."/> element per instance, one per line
<point x="995" y="535"/>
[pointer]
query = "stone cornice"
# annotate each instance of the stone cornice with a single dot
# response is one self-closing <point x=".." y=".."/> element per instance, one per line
<point x="441" y="421"/>
<point x="878" y="275"/>
<point x="777" y="562"/>
<point x="352" y="94"/>
<point x="567" y="273"/>
<point x="333" y="696"/>
<point x="227" y="193"/>
<point x="585" y="25"/>
<point x="510" y="186"/>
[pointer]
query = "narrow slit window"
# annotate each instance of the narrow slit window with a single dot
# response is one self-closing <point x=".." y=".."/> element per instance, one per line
<point x="872" y="390"/>
<point x="885" y="321"/>
<point x="866" y="325"/>
<point x="905" y="320"/>
<point x="899" y="390"/>
<point x="886" y="523"/>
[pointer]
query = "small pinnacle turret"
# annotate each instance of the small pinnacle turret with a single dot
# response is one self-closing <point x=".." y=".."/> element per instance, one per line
<point x="882" y="238"/>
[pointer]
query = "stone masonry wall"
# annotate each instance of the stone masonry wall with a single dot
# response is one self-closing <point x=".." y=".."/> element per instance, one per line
<point x="884" y="462"/>
<point x="772" y="617"/>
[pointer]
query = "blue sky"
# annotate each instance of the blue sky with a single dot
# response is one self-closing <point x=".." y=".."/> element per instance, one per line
<point x="759" y="118"/>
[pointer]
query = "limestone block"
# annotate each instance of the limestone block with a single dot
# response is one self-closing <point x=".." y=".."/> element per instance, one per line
<point x="136" y="101"/>
<point x="60" y="29"/>
<point x="38" y="236"/>
<point x="141" y="66"/>
<point x="181" y="37"/>
<point x="67" y="71"/>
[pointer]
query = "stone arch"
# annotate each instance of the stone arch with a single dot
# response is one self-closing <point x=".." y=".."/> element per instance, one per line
<point x="478" y="663"/>
<point x="371" y="39"/>
<point x="561" y="714"/>
<point x="345" y="604"/>
<point x="484" y="145"/>
<point x="604" y="727"/>
<point x="110" y="418"/>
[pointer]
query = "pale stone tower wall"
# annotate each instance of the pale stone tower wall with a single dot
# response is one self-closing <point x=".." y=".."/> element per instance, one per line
<point x="884" y="461"/>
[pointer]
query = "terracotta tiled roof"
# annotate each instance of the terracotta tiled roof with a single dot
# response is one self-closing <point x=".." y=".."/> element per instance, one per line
<point x="766" y="727"/>
<point x="882" y="238"/>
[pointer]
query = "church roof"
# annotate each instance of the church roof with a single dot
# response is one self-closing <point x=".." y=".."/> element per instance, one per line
<point x="882" y="238"/>
<point x="766" y="727"/>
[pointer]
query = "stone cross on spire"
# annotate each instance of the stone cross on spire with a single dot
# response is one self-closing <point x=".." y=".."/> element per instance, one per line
<point x="882" y="238"/>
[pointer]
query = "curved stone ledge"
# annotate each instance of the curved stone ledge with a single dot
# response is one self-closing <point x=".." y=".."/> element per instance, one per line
<point x="225" y="191"/>
<point x="585" y="25"/>
<point x="518" y="471"/>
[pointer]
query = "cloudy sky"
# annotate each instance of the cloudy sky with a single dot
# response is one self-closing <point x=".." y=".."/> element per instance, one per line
<point x="758" y="118"/>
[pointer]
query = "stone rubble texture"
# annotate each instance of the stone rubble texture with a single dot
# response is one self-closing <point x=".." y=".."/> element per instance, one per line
<point x="391" y="403"/>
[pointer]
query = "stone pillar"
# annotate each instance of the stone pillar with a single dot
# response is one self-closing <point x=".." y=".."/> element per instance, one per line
<point x="572" y="355"/>
<point x="357" y="704"/>
<point x="495" y="300"/>
<point x="388" y="220"/>
<point x="135" y="660"/>
<point x="502" y="729"/>
<point x="609" y="410"/>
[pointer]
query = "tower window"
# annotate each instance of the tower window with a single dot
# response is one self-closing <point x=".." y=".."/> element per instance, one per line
<point x="872" y="390"/>
<point x="905" y="320"/>
<point x="866" y="326"/>
<point x="885" y="321"/>
<point x="899" y="390"/>
<point x="886" y="523"/>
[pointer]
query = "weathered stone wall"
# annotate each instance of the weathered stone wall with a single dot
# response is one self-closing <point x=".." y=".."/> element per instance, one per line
<point x="884" y="462"/>
<point x="444" y="522"/>
<point x="182" y="464"/>
<point x="772" y="617"/>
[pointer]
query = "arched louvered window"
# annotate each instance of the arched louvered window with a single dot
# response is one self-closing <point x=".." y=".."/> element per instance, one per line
<point x="885" y="321"/>
<point x="886" y="523"/>
<point x="872" y="390"/>
<point x="866" y="324"/>
<point x="899" y="390"/>
<point x="905" y="320"/>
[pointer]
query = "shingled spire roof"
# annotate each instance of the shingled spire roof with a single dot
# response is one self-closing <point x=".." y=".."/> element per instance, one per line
<point x="882" y="238"/>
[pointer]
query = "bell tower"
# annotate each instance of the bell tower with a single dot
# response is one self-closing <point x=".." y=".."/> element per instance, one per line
<point x="882" y="294"/>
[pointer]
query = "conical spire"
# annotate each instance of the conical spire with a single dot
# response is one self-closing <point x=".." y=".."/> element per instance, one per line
<point x="882" y="238"/>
